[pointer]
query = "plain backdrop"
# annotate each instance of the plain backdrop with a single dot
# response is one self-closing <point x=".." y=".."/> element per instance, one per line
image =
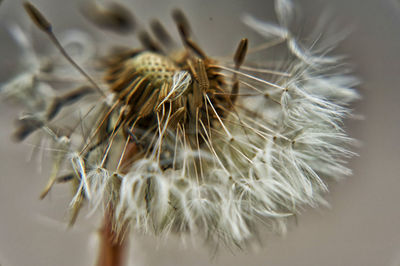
<point x="362" y="227"/>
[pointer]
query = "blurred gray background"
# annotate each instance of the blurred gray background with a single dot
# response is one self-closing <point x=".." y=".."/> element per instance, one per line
<point x="362" y="227"/>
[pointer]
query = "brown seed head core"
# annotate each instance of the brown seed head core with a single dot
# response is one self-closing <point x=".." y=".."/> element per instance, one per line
<point x="146" y="84"/>
<point x="157" y="68"/>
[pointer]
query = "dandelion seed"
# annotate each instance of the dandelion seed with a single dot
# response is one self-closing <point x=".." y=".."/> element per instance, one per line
<point x="167" y="139"/>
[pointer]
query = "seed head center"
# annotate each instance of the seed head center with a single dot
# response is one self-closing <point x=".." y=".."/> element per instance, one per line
<point x="155" y="67"/>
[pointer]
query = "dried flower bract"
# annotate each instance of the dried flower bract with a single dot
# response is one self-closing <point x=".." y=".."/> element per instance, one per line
<point x="173" y="140"/>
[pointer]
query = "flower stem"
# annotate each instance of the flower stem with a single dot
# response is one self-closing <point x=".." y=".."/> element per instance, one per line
<point x="112" y="248"/>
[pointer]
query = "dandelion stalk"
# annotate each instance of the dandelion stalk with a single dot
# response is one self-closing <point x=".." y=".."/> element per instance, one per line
<point x="112" y="249"/>
<point x="113" y="245"/>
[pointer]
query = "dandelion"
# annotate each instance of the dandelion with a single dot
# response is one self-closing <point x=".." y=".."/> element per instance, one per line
<point x="167" y="139"/>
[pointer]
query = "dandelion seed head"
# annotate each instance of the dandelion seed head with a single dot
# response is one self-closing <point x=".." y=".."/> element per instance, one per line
<point x="175" y="141"/>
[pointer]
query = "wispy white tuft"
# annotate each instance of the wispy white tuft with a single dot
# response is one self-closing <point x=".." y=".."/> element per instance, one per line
<point x="78" y="165"/>
<point x="284" y="10"/>
<point x="180" y="83"/>
<point x="266" y="29"/>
